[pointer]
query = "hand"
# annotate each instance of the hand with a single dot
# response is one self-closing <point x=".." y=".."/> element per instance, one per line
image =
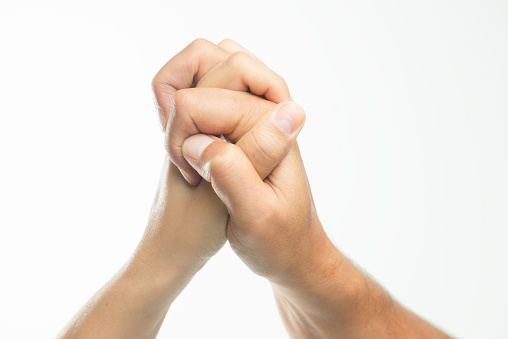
<point x="228" y="66"/>
<point x="272" y="223"/>
<point x="274" y="228"/>
<point x="188" y="222"/>
<point x="263" y="215"/>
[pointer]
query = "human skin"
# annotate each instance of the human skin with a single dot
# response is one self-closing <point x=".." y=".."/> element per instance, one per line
<point x="259" y="200"/>
<point x="274" y="228"/>
<point x="186" y="227"/>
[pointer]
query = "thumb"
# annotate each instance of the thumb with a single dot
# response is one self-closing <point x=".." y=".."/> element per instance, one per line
<point x="271" y="138"/>
<point x="226" y="166"/>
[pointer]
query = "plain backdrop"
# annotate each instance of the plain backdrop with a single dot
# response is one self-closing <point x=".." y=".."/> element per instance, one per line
<point x="405" y="145"/>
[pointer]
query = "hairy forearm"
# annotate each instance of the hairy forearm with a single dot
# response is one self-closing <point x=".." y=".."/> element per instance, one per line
<point x="333" y="298"/>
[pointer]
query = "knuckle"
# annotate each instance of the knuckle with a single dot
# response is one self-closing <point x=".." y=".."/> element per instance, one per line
<point x="181" y="99"/>
<point x="226" y="42"/>
<point x="155" y="82"/>
<point x="156" y="85"/>
<point x="238" y="59"/>
<point x="199" y="43"/>
<point x="278" y="82"/>
<point x="264" y="148"/>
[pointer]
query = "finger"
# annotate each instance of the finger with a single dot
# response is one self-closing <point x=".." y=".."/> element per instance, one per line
<point x="232" y="168"/>
<point x="289" y="181"/>
<point x="243" y="72"/>
<point x="268" y="142"/>
<point x="183" y="71"/>
<point x="210" y="111"/>
<point x="232" y="47"/>
<point x="225" y="165"/>
<point x="284" y="174"/>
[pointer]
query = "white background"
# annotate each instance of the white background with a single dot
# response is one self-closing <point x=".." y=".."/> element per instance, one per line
<point x="405" y="146"/>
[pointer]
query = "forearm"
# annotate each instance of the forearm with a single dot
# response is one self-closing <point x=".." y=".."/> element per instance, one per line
<point x="334" y="299"/>
<point x="131" y="305"/>
<point x="135" y="301"/>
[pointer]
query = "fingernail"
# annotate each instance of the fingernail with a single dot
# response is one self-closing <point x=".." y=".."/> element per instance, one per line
<point x="162" y="120"/>
<point x="194" y="146"/>
<point x="185" y="176"/>
<point x="289" y="117"/>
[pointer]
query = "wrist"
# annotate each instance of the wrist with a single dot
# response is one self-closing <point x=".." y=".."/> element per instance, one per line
<point x="162" y="284"/>
<point x="166" y="270"/>
<point x="332" y="295"/>
<point x="327" y="290"/>
<point x="320" y="261"/>
<point x="186" y="225"/>
<point x="340" y="299"/>
<point x="160" y="259"/>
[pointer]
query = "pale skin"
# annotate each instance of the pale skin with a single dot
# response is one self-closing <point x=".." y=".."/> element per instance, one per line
<point x="255" y="195"/>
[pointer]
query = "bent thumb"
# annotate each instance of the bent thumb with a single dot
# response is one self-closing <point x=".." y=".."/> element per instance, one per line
<point x="232" y="175"/>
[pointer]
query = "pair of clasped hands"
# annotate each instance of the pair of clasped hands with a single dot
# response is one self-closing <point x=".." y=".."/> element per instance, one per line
<point x="233" y="172"/>
<point x="259" y="198"/>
